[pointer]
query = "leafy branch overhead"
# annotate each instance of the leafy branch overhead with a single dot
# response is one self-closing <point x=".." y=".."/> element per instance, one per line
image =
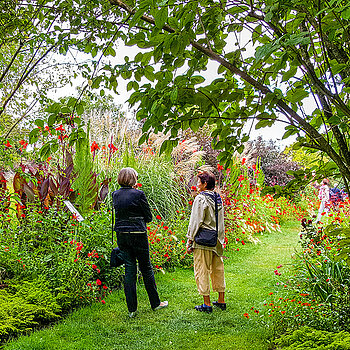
<point x="301" y="54"/>
<point x="277" y="61"/>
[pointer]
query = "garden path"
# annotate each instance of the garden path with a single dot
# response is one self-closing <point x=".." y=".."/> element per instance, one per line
<point x="249" y="276"/>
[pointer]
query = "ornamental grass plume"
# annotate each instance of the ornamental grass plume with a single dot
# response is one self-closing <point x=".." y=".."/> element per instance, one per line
<point x="187" y="156"/>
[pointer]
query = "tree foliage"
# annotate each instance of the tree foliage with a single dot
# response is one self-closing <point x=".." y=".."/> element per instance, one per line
<point x="274" y="163"/>
<point x="300" y="54"/>
<point x="295" y="53"/>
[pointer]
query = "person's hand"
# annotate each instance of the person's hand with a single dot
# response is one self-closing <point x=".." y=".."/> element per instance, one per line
<point x="189" y="247"/>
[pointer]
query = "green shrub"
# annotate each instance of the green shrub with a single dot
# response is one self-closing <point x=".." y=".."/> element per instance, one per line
<point x="307" y="338"/>
<point x="24" y="305"/>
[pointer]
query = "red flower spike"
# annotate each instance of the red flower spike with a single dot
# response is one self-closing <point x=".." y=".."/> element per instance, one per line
<point x="94" y="147"/>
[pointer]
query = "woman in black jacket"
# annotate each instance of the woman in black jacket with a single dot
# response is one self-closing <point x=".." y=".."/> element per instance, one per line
<point x="132" y="213"/>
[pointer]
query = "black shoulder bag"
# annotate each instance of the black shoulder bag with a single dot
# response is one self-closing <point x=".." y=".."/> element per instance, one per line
<point x="208" y="237"/>
<point x="116" y="255"/>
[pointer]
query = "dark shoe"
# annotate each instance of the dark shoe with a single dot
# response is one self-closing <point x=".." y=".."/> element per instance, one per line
<point x="221" y="306"/>
<point x="204" y="308"/>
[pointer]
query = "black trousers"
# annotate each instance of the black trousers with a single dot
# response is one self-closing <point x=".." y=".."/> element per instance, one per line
<point x="134" y="246"/>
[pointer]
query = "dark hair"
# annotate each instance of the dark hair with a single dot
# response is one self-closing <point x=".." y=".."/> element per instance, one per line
<point x="208" y="178"/>
<point x="326" y="182"/>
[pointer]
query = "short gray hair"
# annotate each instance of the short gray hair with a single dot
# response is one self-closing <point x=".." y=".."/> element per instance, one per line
<point x="127" y="177"/>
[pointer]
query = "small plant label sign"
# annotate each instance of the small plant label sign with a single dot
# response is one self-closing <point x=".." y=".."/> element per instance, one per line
<point x="74" y="211"/>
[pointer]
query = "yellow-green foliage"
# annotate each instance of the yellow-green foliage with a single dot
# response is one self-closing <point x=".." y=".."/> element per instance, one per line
<point x="24" y="305"/>
<point x="307" y="338"/>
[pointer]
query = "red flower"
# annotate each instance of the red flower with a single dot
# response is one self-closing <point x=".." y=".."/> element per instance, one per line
<point x="23" y="143"/>
<point x="241" y="178"/>
<point x="98" y="282"/>
<point x="243" y="161"/>
<point x="112" y="147"/>
<point x="60" y="128"/>
<point x="7" y="144"/>
<point x="246" y="315"/>
<point x="139" y="185"/>
<point x="94" y="147"/>
<point x="103" y="302"/>
<point x="220" y="167"/>
<point x="158" y="217"/>
<point x="190" y="202"/>
<point x="254" y="167"/>
<point x="193" y="188"/>
<point x="165" y="227"/>
<point x="61" y="138"/>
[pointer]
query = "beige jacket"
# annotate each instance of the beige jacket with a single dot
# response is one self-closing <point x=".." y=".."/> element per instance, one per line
<point x="203" y="215"/>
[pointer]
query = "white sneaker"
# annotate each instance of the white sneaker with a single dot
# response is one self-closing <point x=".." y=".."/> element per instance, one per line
<point x="132" y="314"/>
<point x="162" y="305"/>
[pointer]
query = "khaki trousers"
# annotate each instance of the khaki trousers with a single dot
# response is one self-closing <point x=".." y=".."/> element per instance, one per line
<point x="208" y="264"/>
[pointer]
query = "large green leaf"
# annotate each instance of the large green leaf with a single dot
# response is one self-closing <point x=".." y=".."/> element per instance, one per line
<point x="161" y="17"/>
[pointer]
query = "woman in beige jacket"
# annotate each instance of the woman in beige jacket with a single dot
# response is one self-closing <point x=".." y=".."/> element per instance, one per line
<point x="207" y="261"/>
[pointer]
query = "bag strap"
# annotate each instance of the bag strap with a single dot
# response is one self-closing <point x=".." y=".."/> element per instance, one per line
<point x="112" y="221"/>
<point x="216" y="213"/>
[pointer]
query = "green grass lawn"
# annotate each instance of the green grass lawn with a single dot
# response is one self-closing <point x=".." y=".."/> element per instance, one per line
<point x="249" y="279"/>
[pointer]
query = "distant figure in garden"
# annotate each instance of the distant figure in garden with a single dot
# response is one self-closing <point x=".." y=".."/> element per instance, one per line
<point x="323" y="196"/>
<point x="208" y="264"/>
<point x="132" y="213"/>
<point x="336" y="196"/>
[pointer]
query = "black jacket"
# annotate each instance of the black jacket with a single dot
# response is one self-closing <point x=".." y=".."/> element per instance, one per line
<point x="132" y="210"/>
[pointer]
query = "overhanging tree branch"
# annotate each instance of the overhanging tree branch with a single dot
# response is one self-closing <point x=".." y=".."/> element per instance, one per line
<point x="309" y="129"/>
